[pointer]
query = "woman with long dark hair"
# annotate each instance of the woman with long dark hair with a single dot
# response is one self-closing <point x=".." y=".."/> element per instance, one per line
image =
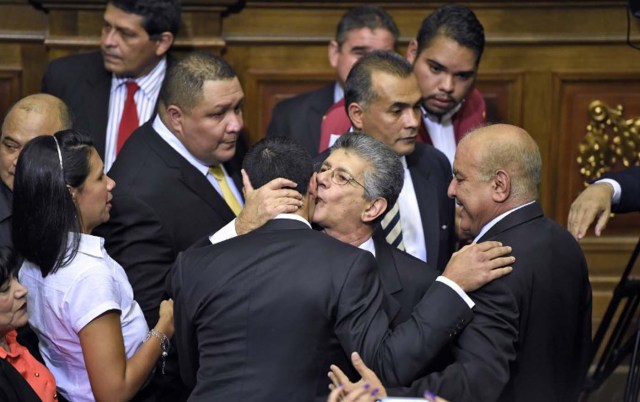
<point x="93" y="335"/>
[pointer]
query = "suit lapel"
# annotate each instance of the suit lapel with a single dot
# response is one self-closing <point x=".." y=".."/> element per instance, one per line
<point x="426" y="194"/>
<point x="387" y="266"/>
<point x="518" y="217"/>
<point x="189" y="175"/>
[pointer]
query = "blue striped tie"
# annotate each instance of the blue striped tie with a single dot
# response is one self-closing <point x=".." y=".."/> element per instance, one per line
<point x="391" y="227"/>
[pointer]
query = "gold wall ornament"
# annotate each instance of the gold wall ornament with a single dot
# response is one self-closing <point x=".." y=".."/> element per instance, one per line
<point x="610" y="140"/>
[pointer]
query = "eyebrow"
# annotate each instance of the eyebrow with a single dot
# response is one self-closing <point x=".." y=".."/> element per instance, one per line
<point x="442" y="66"/>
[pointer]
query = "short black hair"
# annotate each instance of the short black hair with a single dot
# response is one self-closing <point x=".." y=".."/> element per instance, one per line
<point x="455" y="22"/>
<point x="372" y="17"/>
<point x="184" y="81"/>
<point x="44" y="214"/>
<point x="358" y="88"/>
<point x="275" y="157"/>
<point x="10" y="262"/>
<point x="158" y="15"/>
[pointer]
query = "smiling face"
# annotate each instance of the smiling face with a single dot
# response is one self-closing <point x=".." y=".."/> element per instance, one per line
<point x="20" y="127"/>
<point x="393" y="117"/>
<point x="211" y="128"/>
<point x="339" y="208"/>
<point x="358" y="42"/>
<point x="127" y="49"/>
<point x="472" y="192"/>
<point x="446" y="72"/>
<point x="13" y="306"/>
<point x="93" y="197"/>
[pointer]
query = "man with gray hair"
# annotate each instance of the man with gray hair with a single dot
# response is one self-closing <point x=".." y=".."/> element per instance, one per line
<point x="31" y="116"/>
<point x="350" y="195"/>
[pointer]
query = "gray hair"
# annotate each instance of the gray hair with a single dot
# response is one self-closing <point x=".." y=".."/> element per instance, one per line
<point x="384" y="177"/>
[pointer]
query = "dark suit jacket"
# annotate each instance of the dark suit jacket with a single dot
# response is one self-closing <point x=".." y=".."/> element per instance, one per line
<point x="13" y="387"/>
<point x="6" y="209"/>
<point x="300" y="117"/>
<point x="82" y="82"/>
<point x="530" y="337"/>
<point x="161" y="205"/>
<point x="629" y="180"/>
<point x="256" y="326"/>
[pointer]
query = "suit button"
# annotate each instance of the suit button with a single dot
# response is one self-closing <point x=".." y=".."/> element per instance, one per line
<point x="444" y="227"/>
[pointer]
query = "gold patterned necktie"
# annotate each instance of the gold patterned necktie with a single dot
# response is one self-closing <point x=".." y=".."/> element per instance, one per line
<point x="232" y="201"/>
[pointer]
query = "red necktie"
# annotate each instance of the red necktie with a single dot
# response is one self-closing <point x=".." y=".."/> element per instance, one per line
<point x="129" y="120"/>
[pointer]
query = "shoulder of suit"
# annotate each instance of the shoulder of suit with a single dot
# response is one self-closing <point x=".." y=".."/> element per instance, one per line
<point x="429" y="153"/>
<point x="79" y="62"/>
<point x="301" y="100"/>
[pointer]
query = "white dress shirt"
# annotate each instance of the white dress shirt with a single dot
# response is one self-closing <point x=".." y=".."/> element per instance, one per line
<point x="440" y="129"/>
<point x="410" y="219"/>
<point x="145" y="98"/>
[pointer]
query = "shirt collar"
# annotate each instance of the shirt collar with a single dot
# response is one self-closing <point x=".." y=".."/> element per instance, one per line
<point x="149" y="82"/>
<point x="89" y="244"/>
<point x="293" y="217"/>
<point x="338" y="93"/>
<point x="497" y="219"/>
<point x="173" y="141"/>
<point x="369" y="246"/>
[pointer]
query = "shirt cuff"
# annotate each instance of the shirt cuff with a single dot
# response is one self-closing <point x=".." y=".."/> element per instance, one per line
<point x="454" y="286"/>
<point x="227" y="232"/>
<point x="617" y="190"/>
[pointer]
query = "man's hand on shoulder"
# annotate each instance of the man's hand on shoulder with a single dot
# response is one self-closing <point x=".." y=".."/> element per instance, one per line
<point x="262" y="204"/>
<point x="475" y="265"/>
<point x="593" y="203"/>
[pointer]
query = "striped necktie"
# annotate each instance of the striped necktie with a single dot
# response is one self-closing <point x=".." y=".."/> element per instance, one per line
<point x="227" y="194"/>
<point x="391" y="227"/>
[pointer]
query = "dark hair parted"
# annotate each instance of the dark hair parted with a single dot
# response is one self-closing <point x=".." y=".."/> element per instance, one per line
<point x="275" y="157"/>
<point x="359" y="85"/>
<point x="44" y="214"/>
<point x="158" y="15"/>
<point x="384" y="175"/>
<point x="455" y="22"/>
<point x="372" y="17"/>
<point x="10" y="262"/>
<point x="184" y="80"/>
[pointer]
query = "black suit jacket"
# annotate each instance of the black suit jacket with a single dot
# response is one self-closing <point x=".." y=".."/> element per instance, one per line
<point x="82" y="82"/>
<point x="256" y="326"/>
<point x="6" y="209"/>
<point x="629" y="180"/>
<point x="530" y="337"/>
<point x="161" y="205"/>
<point x="300" y="117"/>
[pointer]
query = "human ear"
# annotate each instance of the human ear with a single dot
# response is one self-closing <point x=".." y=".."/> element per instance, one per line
<point x="163" y="43"/>
<point x="375" y="208"/>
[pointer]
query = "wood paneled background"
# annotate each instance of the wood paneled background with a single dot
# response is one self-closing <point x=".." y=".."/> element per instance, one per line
<point x="545" y="61"/>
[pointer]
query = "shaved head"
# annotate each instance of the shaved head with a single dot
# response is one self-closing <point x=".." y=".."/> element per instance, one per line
<point x="32" y="116"/>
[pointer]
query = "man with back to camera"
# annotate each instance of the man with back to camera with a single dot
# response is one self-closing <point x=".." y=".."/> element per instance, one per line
<point x="361" y="30"/>
<point x="31" y="116"/>
<point x="114" y="91"/>
<point x="283" y="307"/>
<point x="357" y="182"/>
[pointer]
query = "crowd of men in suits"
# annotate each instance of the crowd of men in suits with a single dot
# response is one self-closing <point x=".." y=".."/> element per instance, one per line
<point x="263" y="304"/>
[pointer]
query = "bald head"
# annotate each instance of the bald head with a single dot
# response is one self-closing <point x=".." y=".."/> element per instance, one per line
<point x="509" y="148"/>
<point x="32" y="116"/>
<point x="496" y="168"/>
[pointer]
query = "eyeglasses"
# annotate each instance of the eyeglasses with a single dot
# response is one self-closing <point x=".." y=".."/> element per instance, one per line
<point x="340" y="177"/>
